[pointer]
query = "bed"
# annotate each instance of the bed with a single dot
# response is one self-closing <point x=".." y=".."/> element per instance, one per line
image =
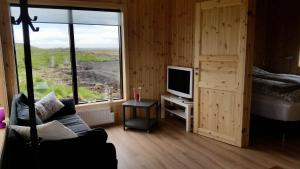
<point x="276" y="96"/>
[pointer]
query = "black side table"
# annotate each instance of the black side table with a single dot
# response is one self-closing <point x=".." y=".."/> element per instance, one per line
<point x="140" y="123"/>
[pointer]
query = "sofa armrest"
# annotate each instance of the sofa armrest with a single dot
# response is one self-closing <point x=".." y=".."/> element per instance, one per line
<point x="96" y="135"/>
<point x="101" y="155"/>
<point x="90" y="149"/>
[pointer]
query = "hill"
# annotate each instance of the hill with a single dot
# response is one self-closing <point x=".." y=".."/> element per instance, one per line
<point x="52" y="70"/>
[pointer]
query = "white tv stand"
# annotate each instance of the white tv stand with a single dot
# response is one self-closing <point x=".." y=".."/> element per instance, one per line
<point x="186" y="113"/>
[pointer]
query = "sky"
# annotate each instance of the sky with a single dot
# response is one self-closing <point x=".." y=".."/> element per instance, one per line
<point x="57" y="36"/>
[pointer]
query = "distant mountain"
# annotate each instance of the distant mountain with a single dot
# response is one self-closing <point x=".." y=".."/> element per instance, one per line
<point x="42" y="58"/>
<point x="67" y="49"/>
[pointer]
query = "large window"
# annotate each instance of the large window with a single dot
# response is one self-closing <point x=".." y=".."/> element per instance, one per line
<point x="76" y="53"/>
<point x="97" y="67"/>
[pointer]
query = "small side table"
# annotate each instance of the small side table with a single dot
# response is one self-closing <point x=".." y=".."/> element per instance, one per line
<point x="140" y="123"/>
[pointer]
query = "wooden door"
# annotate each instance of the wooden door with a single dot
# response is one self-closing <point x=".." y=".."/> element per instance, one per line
<point x="220" y="67"/>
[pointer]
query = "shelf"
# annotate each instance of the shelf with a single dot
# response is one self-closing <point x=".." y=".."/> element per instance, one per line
<point x="179" y="113"/>
<point x="140" y="123"/>
<point x="179" y="107"/>
<point x="177" y="101"/>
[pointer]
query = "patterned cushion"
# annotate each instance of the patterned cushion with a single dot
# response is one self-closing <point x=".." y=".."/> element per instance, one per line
<point x="48" y="106"/>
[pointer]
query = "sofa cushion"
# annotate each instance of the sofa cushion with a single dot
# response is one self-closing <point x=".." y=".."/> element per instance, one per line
<point x="53" y="130"/>
<point x="48" y="106"/>
<point x="75" y="123"/>
<point x="23" y="111"/>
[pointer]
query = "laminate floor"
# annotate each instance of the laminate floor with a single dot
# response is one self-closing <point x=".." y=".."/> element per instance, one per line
<point x="170" y="147"/>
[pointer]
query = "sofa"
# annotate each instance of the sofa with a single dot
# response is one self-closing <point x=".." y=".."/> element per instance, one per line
<point x="89" y="150"/>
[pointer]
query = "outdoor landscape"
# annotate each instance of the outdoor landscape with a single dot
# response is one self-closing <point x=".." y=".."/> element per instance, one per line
<point x="97" y="69"/>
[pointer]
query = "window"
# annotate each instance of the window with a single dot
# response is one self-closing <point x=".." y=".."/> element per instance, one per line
<point x="91" y="37"/>
<point x="97" y="67"/>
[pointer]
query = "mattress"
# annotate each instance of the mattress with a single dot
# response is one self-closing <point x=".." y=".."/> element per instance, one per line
<point x="275" y="108"/>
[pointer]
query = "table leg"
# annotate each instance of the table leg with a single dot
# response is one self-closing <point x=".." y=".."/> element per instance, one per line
<point x="162" y="108"/>
<point x="124" y="110"/>
<point x="188" y="118"/>
<point x="157" y="116"/>
<point x="134" y="112"/>
<point x="148" y="118"/>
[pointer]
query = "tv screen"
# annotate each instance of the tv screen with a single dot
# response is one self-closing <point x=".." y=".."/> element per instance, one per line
<point x="180" y="81"/>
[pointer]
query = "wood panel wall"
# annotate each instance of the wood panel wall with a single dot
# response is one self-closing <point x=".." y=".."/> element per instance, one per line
<point x="8" y="52"/>
<point x="160" y="33"/>
<point x="277" y="37"/>
<point x="261" y="28"/>
<point x="284" y="36"/>
<point x="3" y="91"/>
<point x="277" y="41"/>
<point x="147" y="45"/>
<point x="182" y="33"/>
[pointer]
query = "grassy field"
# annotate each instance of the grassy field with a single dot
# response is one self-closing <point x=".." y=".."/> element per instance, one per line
<point x="52" y="71"/>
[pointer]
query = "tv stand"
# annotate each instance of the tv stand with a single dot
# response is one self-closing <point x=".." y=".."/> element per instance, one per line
<point x="184" y="100"/>
<point x="185" y="113"/>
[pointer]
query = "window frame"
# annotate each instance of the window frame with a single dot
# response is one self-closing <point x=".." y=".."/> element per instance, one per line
<point x="72" y="48"/>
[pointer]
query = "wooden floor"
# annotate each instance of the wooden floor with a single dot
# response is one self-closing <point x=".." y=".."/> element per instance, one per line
<point x="170" y="147"/>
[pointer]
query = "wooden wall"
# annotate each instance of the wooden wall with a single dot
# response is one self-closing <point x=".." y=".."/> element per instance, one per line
<point x="8" y="52"/>
<point x="147" y="45"/>
<point x="3" y="91"/>
<point x="284" y="36"/>
<point x="278" y="35"/>
<point x="261" y="28"/>
<point x="182" y="33"/>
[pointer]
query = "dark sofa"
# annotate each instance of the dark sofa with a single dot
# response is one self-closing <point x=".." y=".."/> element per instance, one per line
<point x="88" y="150"/>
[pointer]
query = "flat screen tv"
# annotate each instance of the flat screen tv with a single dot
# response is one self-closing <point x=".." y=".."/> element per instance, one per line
<point x="180" y="81"/>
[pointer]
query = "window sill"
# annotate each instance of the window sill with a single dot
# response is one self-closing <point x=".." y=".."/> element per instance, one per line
<point x="104" y="103"/>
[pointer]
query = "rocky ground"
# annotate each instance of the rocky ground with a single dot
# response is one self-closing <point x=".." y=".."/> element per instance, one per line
<point x="92" y="75"/>
<point x="103" y="73"/>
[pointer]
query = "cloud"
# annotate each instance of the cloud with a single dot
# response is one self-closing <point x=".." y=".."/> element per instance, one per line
<point x="57" y="36"/>
<point x="53" y="35"/>
<point x="94" y="36"/>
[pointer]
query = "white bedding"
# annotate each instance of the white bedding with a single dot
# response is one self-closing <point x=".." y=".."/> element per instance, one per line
<point x="276" y="96"/>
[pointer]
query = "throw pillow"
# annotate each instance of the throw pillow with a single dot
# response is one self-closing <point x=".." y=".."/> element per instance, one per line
<point x="48" y="106"/>
<point x="53" y="130"/>
<point x="23" y="115"/>
<point x="23" y="111"/>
